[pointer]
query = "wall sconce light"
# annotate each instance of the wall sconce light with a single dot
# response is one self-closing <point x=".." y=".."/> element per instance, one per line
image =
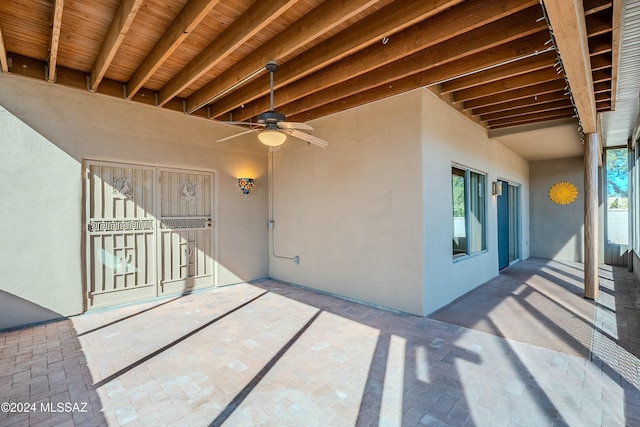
<point x="246" y="185"/>
<point x="496" y="188"/>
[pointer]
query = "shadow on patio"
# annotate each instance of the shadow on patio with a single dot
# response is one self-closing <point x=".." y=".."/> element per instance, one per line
<point x="272" y="353"/>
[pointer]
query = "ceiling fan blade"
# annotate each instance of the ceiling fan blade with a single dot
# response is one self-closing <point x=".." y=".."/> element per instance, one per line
<point x="244" y="123"/>
<point x="237" y="134"/>
<point x="294" y="125"/>
<point x="306" y="137"/>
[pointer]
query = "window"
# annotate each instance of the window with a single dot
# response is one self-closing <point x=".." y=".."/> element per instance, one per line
<point x="469" y="207"/>
<point x="617" y="228"/>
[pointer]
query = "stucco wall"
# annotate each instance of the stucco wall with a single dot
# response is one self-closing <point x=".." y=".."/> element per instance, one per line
<point x="559" y="229"/>
<point x="352" y="212"/>
<point x="448" y="137"/>
<point x="47" y="131"/>
<point x="370" y="216"/>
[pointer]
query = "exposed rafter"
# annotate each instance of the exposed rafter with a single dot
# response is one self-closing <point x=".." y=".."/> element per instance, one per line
<point x="416" y="46"/>
<point x="449" y="52"/>
<point x="525" y="111"/>
<point x="372" y="29"/>
<point x="615" y="50"/>
<point x="517" y="68"/>
<point x="118" y="29"/>
<point x="569" y="29"/>
<point x="258" y="16"/>
<point x="56" y="23"/>
<point x="541" y="76"/>
<point x="320" y="20"/>
<point x="190" y="16"/>
<point x="539" y="100"/>
<point x="486" y="58"/>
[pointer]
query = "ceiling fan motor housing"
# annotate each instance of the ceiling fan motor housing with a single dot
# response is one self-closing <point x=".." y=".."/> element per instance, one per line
<point x="271" y="117"/>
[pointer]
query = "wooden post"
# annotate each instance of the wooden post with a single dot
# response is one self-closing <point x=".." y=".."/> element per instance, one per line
<point x="591" y="154"/>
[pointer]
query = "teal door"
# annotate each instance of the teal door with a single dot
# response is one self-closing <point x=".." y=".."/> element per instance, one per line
<point x="503" y="226"/>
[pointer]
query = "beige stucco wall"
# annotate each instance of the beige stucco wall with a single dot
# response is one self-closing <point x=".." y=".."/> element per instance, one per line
<point x="448" y="137"/>
<point x="559" y="228"/>
<point x="47" y="131"/>
<point x="370" y="216"/>
<point x="352" y="211"/>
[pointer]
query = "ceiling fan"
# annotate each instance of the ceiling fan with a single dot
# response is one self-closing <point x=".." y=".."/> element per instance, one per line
<point x="272" y="126"/>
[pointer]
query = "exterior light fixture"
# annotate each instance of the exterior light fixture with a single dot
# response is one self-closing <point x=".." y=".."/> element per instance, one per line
<point x="496" y="188"/>
<point x="272" y="137"/>
<point x="246" y="185"/>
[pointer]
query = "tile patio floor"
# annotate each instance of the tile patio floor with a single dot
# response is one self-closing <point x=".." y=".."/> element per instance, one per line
<point x="268" y="353"/>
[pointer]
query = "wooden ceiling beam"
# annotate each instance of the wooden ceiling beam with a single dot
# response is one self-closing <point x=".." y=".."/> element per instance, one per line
<point x="528" y="92"/>
<point x="54" y="40"/>
<point x="434" y="64"/>
<point x="320" y="20"/>
<point x="595" y="6"/>
<point x="535" y="63"/>
<point x="68" y="77"/>
<point x="426" y="45"/>
<point x="117" y="31"/>
<point x="187" y="20"/>
<point x="601" y="75"/>
<point x="386" y="22"/>
<point x="600" y="44"/>
<point x="505" y="85"/>
<point x="4" y="63"/>
<point x="600" y="62"/>
<point x="603" y="105"/>
<point x="256" y="18"/>
<point x="523" y="102"/>
<point x="615" y="49"/>
<point x="542" y="115"/>
<point x="361" y="98"/>
<point x="335" y="98"/>
<point x="602" y="87"/>
<point x="598" y="25"/>
<point x="532" y="120"/>
<point x="568" y="23"/>
<point x="530" y="109"/>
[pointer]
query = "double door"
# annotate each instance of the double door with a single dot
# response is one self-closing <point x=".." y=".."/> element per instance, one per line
<point x="149" y="232"/>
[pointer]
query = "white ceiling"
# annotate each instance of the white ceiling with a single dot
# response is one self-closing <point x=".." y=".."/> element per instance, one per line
<point x="551" y="140"/>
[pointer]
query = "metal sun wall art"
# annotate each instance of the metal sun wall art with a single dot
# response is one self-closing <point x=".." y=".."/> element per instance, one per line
<point x="563" y="193"/>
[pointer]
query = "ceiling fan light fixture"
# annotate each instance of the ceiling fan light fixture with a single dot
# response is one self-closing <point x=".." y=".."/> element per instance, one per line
<point x="272" y="138"/>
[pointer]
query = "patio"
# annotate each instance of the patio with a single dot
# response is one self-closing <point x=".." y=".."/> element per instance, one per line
<point x="523" y="349"/>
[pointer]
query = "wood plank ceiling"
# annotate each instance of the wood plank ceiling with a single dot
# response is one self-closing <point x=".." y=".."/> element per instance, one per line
<point x="491" y="59"/>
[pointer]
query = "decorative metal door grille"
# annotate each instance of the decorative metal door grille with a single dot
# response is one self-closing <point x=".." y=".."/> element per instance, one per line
<point x="186" y="230"/>
<point x="149" y="232"/>
<point x="120" y="233"/>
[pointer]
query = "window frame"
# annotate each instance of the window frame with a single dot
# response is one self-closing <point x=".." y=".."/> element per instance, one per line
<point x="467" y="211"/>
